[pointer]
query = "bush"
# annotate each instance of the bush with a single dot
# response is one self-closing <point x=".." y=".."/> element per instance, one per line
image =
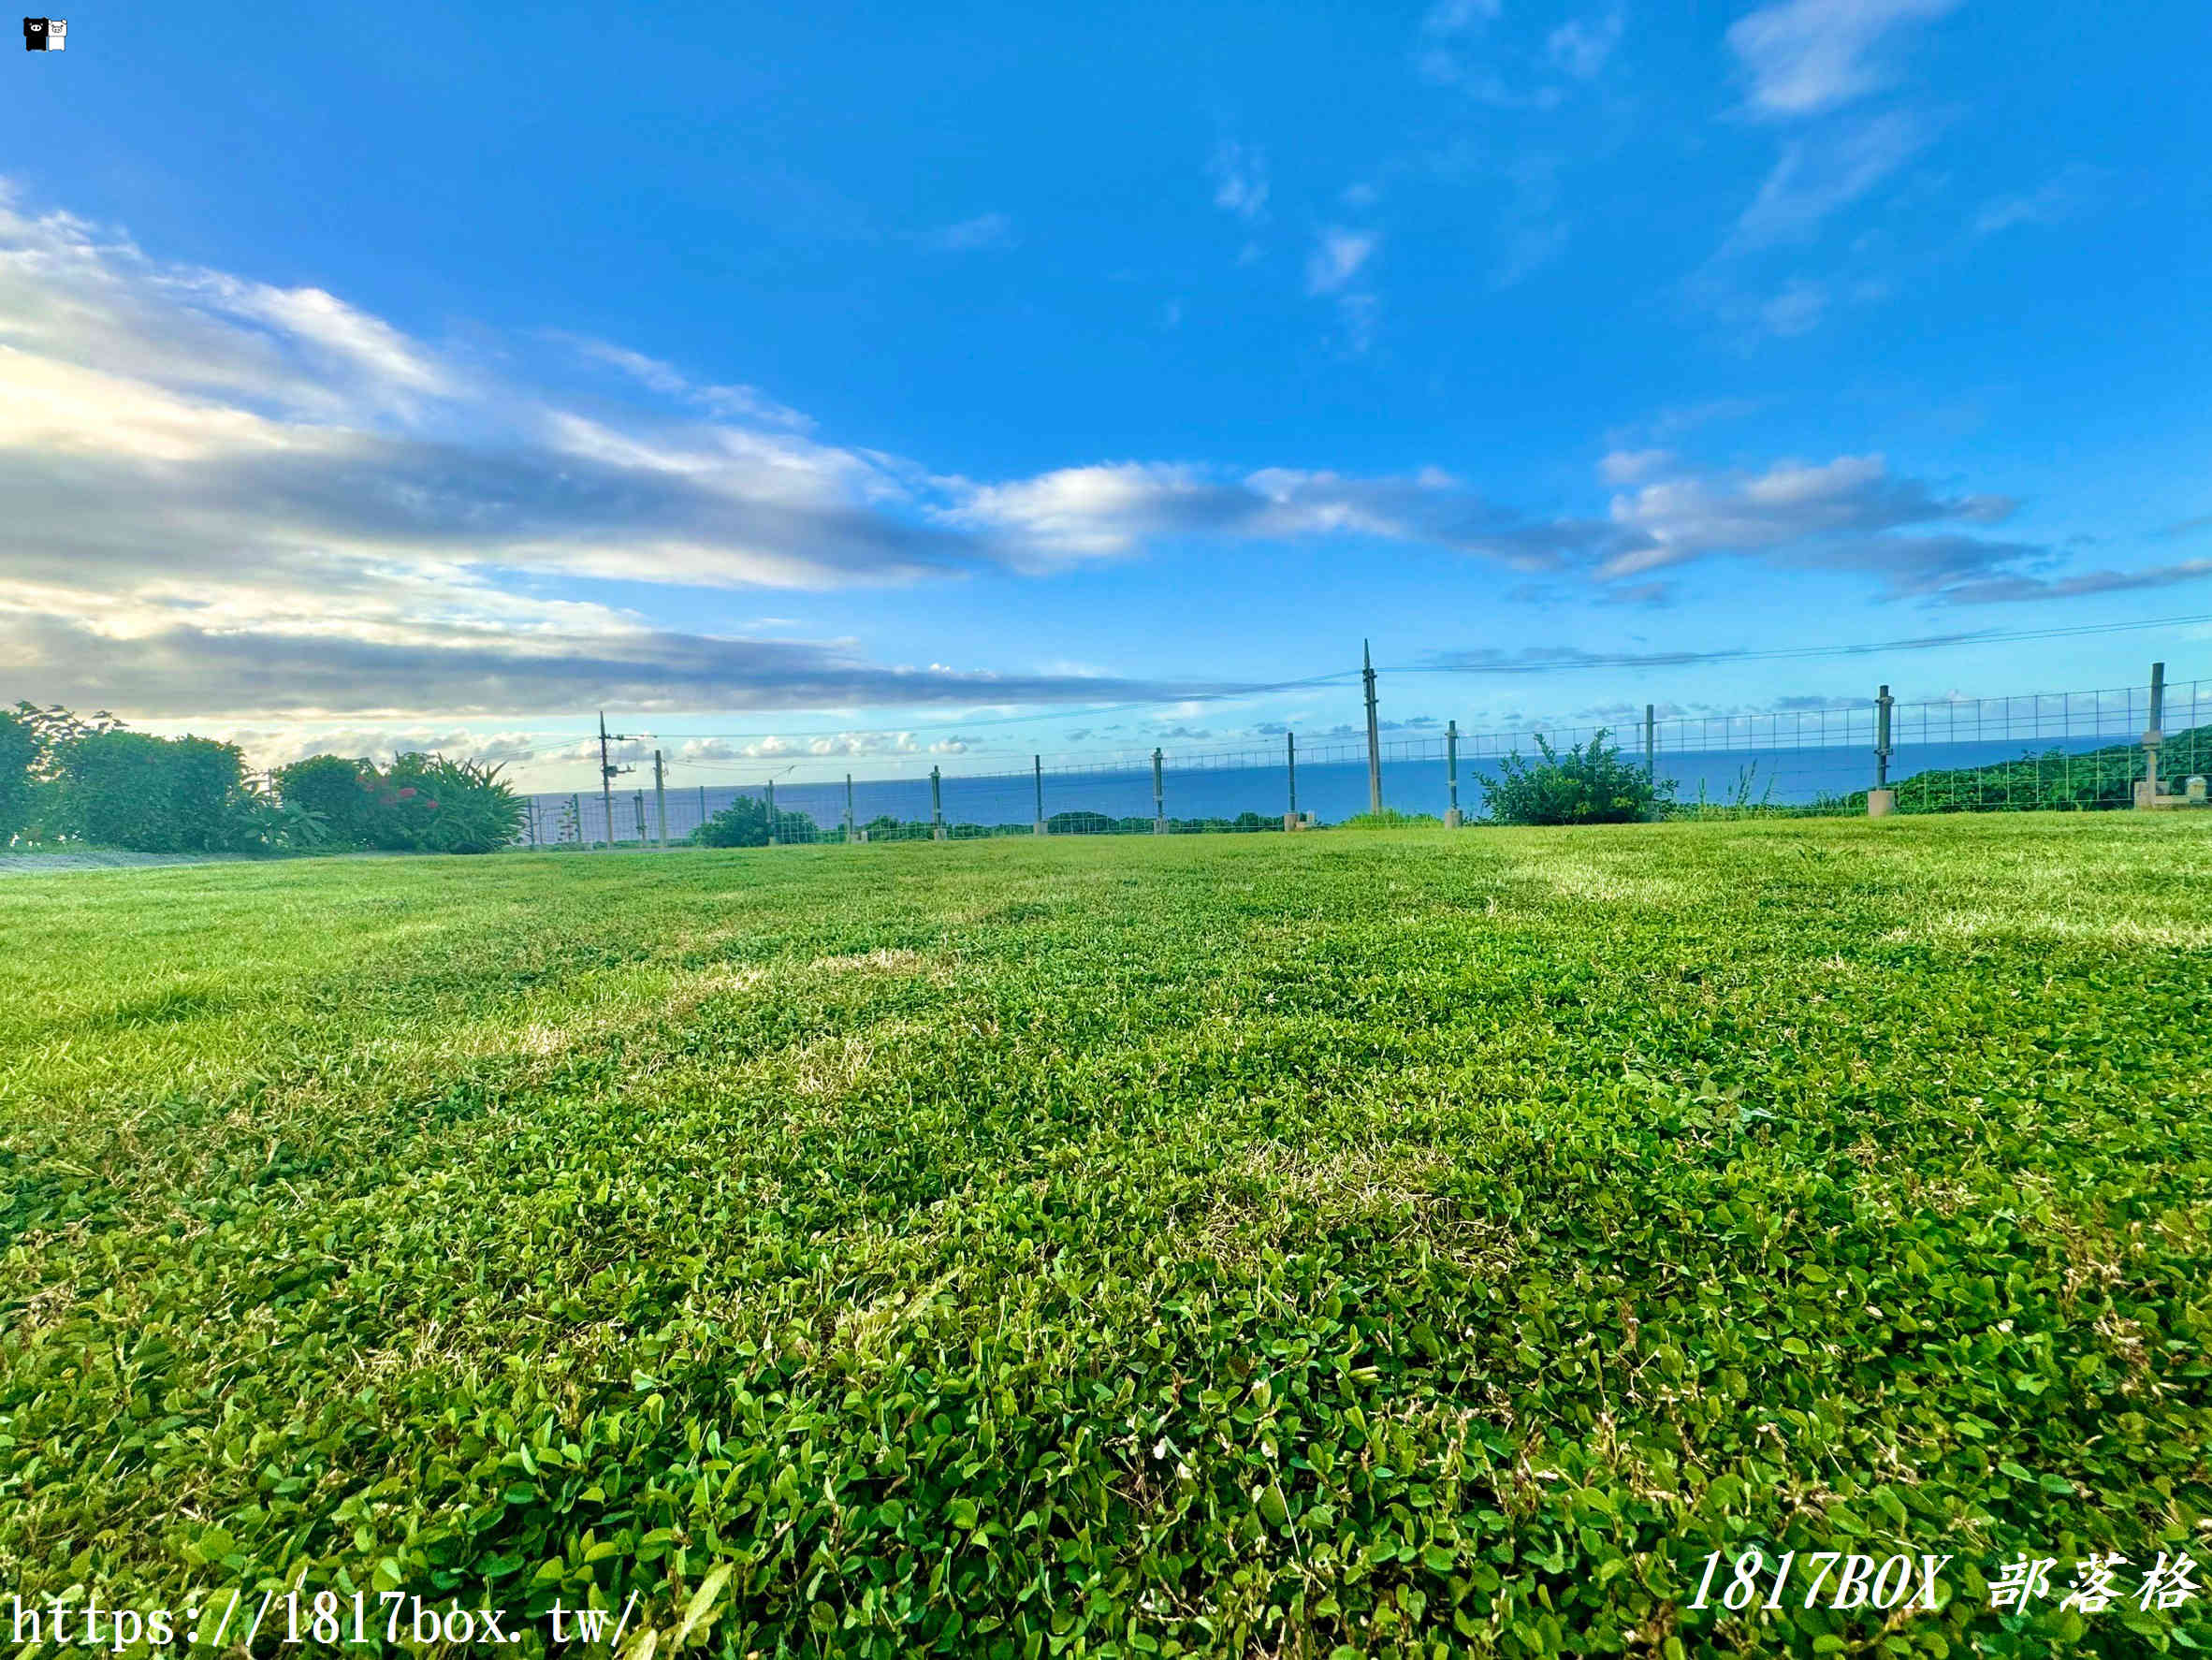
<point x="1589" y="784"/>
<point x="744" y="822"/>
<point x="336" y="791"/>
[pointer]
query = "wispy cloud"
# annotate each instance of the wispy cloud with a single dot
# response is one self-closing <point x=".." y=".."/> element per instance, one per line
<point x="2072" y="192"/>
<point x="1580" y="47"/>
<point x="1805" y="57"/>
<point x="1094" y="512"/>
<point x="1814" y="177"/>
<point x="739" y="404"/>
<point x="1850" y="513"/>
<point x="1338" y="257"/>
<point x="1796" y="310"/>
<point x="968" y="236"/>
<point x="1239" y="173"/>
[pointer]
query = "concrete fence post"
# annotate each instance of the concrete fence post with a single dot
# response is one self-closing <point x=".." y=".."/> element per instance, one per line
<point x="1037" y="763"/>
<point x="1373" y="733"/>
<point x="1290" y="820"/>
<point x="2146" y="792"/>
<point x="1882" y="799"/>
<point x="848" y="826"/>
<point x="937" y="807"/>
<point x="1651" y="745"/>
<point x="773" y="837"/>
<point x="1159" y="807"/>
<point x="1451" y="774"/>
<point x="661" y="797"/>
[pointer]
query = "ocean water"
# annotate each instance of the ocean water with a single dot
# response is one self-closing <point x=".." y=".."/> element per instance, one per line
<point x="1331" y="791"/>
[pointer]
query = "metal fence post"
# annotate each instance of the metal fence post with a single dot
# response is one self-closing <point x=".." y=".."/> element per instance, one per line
<point x="702" y="804"/>
<point x="1038" y="760"/>
<point x="1451" y="774"/>
<point x="849" y="827"/>
<point x="1882" y="799"/>
<point x="1159" y="809"/>
<point x="937" y="807"/>
<point x="1290" y="818"/>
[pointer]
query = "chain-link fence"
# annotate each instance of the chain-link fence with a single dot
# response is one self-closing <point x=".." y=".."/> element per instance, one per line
<point x="2070" y="751"/>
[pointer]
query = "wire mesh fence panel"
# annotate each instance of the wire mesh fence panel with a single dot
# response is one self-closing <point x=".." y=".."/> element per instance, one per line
<point x="2076" y="751"/>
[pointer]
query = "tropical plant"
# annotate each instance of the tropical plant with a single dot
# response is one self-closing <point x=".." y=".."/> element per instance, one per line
<point x="1588" y="784"/>
<point x="432" y="804"/>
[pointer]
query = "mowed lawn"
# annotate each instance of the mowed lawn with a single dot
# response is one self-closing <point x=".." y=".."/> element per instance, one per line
<point x="1392" y="1242"/>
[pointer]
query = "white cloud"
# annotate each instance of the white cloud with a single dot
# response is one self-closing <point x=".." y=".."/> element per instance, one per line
<point x="1338" y="257"/>
<point x="1814" y="177"/>
<point x="1796" y="310"/>
<point x="2072" y="192"/>
<point x="1628" y="466"/>
<point x="1106" y="510"/>
<point x="1841" y="515"/>
<point x="1803" y="57"/>
<point x="736" y="403"/>
<point x="1581" y="46"/>
<point x="985" y="230"/>
<point x="1240" y="180"/>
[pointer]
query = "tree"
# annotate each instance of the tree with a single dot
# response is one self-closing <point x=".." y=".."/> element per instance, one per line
<point x="19" y="749"/>
<point x="150" y="794"/>
<point x="1589" y="784"/>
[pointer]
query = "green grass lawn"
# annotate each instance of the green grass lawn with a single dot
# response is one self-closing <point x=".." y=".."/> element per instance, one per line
<point x="1404" y="1241"/>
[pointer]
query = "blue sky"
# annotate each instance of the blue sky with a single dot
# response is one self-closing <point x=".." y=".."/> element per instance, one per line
<point x="842" y="386"/>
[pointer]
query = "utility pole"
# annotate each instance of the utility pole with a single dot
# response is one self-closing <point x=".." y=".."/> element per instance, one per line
<point x="661" y="797"/>
<point x="1373" y="733"/>
<point x="608" y="771"/>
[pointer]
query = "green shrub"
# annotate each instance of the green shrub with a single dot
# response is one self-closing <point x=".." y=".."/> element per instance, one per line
<point x="336" y="790"/>
<point x="746" y="823"/>
<point x="1589" y="785"/>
